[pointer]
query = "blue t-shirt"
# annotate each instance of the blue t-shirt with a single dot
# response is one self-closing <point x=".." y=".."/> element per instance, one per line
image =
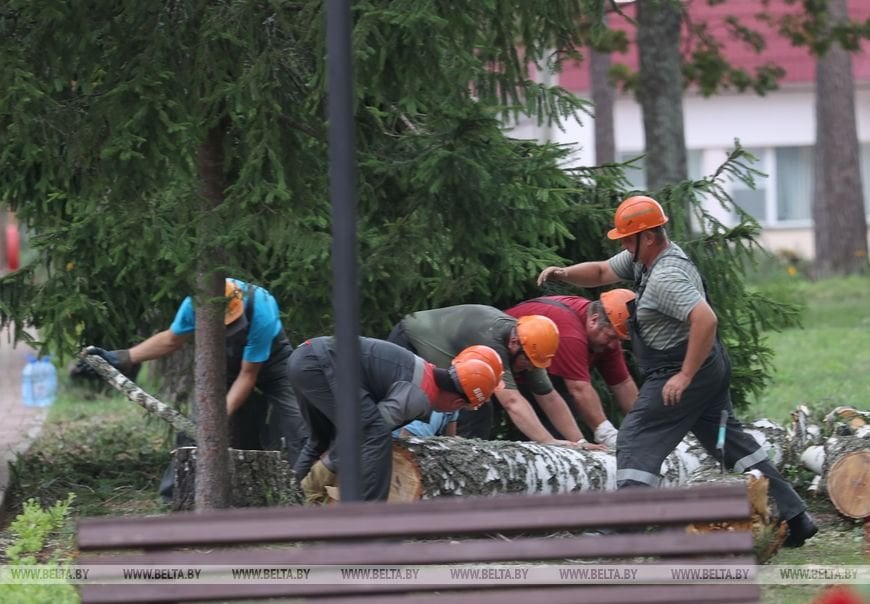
<point x="436" y="425"/>
<point x="264" y="326"/>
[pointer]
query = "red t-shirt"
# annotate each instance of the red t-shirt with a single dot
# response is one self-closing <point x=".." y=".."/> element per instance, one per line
<point x="572" y="360"/>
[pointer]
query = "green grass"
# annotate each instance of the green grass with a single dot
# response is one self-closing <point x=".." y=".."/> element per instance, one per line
<point x="825" y="363"/>
<point x="104" y="449"/>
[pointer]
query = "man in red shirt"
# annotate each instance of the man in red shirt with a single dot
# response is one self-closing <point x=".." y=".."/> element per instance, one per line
<point x="589" y="334"/>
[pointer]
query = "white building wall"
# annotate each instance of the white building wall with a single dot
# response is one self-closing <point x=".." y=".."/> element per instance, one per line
<point x="780" y="119"/>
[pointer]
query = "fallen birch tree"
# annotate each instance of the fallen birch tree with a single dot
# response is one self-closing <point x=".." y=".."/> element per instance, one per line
<point x="443" y="466"/>
<point x="425" y="468"/>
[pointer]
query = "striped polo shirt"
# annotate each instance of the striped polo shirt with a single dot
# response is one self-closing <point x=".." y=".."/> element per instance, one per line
<point x="669" y="292"/>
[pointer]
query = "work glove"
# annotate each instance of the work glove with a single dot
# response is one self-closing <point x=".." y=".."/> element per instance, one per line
<point x="315" y="483"/>
<point x="119" y="359"/>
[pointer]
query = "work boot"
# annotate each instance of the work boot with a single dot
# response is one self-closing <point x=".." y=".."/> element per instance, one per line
<point x="800" y="528"/>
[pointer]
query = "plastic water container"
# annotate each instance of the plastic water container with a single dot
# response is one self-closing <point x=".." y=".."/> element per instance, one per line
<point x="38" y="382"/>
<point x="48" y="374"/>
<point x="27" y="378"/>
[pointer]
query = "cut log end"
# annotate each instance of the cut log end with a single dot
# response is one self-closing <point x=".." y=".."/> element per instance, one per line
<point x="849" y="484"/>
<point x="406" y="483"/>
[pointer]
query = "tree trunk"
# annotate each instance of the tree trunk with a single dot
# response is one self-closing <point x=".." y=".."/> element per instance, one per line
<point x="424" y="468"/>
<point x="660" y="91"/>
<point x="212" y="488"/>
<point x="839" y="216"/>
<point x="256" y="478"/>
<point x="603" y="96"/>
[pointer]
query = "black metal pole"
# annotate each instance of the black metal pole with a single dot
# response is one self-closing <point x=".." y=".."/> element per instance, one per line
<point x="345" y="292"/>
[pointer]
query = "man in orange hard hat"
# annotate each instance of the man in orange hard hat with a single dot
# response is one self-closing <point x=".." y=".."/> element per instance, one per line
<point x="397" y="387"/>
<point x="444" y="423"/>
<point x="687" y="372"/>
<point x="525" y="345"/>
<point x="589" y="337"/>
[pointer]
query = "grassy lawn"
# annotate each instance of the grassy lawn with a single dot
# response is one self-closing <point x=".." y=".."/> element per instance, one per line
<point x="106" y="450"/>
<point x="826" y="363"/>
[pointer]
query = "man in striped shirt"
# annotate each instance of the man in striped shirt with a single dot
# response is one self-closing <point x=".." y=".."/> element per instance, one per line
<point x="686" y="370"/>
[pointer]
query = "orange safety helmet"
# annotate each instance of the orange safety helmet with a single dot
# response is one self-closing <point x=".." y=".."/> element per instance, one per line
<point x="235" y="302"/>
<point x="475" y="379"/>
<point x="539" y="338"/>
<point x="636" y="214"/>
<point x="615" y="304"/>
<point x="482" y="353"/>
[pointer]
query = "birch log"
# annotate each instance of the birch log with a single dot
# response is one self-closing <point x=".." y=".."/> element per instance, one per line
<point x="849" y="432"/>
<point x="849" y="485"/>
<point x="424" y="468"/>
<point x="119" y="381"/>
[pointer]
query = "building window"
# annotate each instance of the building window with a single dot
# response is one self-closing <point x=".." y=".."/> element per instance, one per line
<point x="794" y="183"/>
<point x="693" y="161"/>
<point x="635" y="174"/>
<point x="753" y="201"/>
<point x="865" y="175"/>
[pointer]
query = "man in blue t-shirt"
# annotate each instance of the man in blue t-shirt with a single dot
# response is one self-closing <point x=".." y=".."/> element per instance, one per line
<point x="439" y="424"/>
<point x="261" y="403"/>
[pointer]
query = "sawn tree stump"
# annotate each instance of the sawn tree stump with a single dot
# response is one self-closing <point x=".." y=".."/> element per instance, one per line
<point x="257" y="479"/>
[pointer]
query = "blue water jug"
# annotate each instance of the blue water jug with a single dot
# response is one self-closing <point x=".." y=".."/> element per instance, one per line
<point x="47" y="383"/>
<point x="27" y="377"/>
<point x="52" y="379"/>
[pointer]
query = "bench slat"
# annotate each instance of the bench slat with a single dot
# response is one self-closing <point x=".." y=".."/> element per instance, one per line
<point x="252" y="528"/>
<point x="663" y="544"/>
<point x="630" y="594"/>
<point x="347" y="593"/>
<point x="495" y="503"/>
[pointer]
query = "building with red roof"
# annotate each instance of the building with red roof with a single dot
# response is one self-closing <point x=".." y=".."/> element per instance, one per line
<point x="779" y="128"/>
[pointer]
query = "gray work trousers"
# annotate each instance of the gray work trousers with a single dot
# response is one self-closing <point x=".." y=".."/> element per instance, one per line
<point x="651" y="431"/>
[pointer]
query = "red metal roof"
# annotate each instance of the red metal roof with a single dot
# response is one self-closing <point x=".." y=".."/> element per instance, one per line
<point x="798" y="63"/>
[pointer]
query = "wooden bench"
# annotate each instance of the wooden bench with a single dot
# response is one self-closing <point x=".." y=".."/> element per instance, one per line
<point x="526" y="530"/>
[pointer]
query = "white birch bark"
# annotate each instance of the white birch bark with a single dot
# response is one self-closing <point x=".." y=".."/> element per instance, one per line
<point x="119" y="381"/>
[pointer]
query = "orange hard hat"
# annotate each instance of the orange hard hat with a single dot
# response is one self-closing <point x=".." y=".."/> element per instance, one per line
<point x="615" y="304"/>
<point x="476" y="379"/>
<point x="235" y="302"/>
<point x="482" y="353"/>
<point x="636" y="214"/>
<point x="539" y="338"/>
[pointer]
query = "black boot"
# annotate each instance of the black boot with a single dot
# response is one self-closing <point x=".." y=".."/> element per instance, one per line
<point x="800" y="528"/>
